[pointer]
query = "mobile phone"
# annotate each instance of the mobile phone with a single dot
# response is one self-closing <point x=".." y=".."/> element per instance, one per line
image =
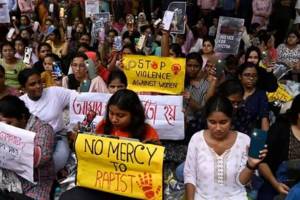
<point x="51" y="7"/>
<point x="219" y="68"/>
<point x="35" y="26"/>
<point x="118" y="43"/>
<point x="157" y="22"/>
<point x="57" y="70"/>
<point x="69" y="32"/>
<point x="85" y="86"/>
<point x="167" y="20"/>
<point x="258" y="141"/>
<point x="10" y="33"/>
<point x="13" y="18"/>
<point x="27" y="55"/>
<point x="62" y="12"/>
<point x="141" y="42"/>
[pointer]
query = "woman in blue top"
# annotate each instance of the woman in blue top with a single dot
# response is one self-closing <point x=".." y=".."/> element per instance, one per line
<point x="256" y="101"/>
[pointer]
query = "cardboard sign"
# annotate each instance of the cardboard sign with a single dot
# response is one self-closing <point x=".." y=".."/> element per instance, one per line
<point x="154" y="74"/>
<point x="179" y="9"/>
<point x="164" y="113"/>
<point x="91" y="7"/>
<point x="16" y="150"/>
<point x="4" y="12"/>
<point x="280" y="94"/>
<point x="229" y="34"/>
<point x="118" y="166"/>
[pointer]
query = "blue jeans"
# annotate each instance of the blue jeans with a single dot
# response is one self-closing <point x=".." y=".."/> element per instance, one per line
<point x="294" y="193"/>
<point x="179" y="172"/>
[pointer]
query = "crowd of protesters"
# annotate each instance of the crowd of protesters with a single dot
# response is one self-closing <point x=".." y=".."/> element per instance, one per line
<point x="220" y="109"/>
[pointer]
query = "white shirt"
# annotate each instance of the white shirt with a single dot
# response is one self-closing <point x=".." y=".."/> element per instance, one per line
<point x="50" y="106"/>
<point x="216" y="177"/>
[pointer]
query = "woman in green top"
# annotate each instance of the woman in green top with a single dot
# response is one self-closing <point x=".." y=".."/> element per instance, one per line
<point x="11" y="64"/>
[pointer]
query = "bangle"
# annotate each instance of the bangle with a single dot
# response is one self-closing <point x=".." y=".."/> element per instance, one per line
<point x="249" y="167"/>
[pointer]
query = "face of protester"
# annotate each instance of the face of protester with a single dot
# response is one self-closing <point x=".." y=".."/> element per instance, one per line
<point x="292" y="39"/>
<point x="20" y="123"/>
<point x="34" y="87"/>
<point x="79" y="28"/>
<point x="207" y="47"/>
<point x="115" y="85"/>
<point x="249" y="77"/>
<point x="85" y="39"/>
<point x="79" y="68"/>
<point x="23" y="21"/>
<point x="120" y="119"/>
<point x="76" y="21"/>
<point x="236" y="100"/>
<point x="110" y="37"/>
<point x="8" y="52"/>
<point x="48" y="64"/>
<point x="20" y="47"/>
<point x="218" y="124"/>
<point x="192" y="68"/>
<point x="44" y="51"/>
<point x="271" y="42"/>
<point x="253" y="57"/>
<point x="25" y="34"/>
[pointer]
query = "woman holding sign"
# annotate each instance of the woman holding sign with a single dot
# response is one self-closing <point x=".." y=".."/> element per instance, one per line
<point x="14" y="112"/>
<point x="217" y="165"/>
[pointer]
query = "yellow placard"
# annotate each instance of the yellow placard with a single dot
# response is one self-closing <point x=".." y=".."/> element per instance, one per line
<point x="280" y="94"/>
<point x="154" y="74"/>
<point x="122" y="167"/>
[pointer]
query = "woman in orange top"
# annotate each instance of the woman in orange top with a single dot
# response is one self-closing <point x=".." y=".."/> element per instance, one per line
<point x="125" y="117"/>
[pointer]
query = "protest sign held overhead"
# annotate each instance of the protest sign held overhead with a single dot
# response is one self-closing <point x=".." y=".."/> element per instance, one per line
<point x="4" y="12"/>
<point x="91" y="7"/>
<point x="179" y="9"/>
<point x="120" y="166"/>
<point x="164" y="113"/>
<point x="16" y="150"/>
<point x="229" y="35"/>
<point x="154" y="74"/>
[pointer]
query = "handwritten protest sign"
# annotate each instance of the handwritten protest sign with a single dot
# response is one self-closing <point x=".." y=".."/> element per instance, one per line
<point x="121" y="167"/>
<point x="280" y="94"/>
<point x="154" y="74"/>
<point x="91" y="7"/>
<point x="4" y="12"/>
<point x="229" y="35"/>
<point x="179" y="9"/>
<point x="164" y="113"/>
<point x="16" y="150"/>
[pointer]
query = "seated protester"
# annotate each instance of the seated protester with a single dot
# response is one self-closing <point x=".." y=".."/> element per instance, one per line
<point x="80" y="80"/>
<point x="283" y="145"/>
<point x="234" y="91"/>
<point x="48" y="104"/>
<point x="231" y="67"/>
<point x="256" y="101"/>
<point x="14" y="112"/>
<point x="116" y="81"/>
<point x="58" y="45"/>
<point x="198" y="88"/>
<point x="91" y="55"/>
<point x="43" y="50"/>
<point x="4" y="89"/>
<point x="125" y="117"/>
<point x="49" y="78"/>
<point x="217" y="165"/>
<point x="266" y="80"/>
<point x="11" y="64"/>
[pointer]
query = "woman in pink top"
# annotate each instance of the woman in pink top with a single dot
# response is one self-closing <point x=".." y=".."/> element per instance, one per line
<point x="261" y="12"/>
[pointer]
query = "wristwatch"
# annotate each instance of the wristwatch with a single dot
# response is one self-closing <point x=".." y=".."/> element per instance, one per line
<point x="249" y="167"/>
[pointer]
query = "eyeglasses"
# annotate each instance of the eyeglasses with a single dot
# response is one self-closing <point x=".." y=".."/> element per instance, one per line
<point x="249" y="75"/>
<point x="75" y="65"/>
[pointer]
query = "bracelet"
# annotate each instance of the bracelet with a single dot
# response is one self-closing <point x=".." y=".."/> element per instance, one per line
<point x="249" y="167"/>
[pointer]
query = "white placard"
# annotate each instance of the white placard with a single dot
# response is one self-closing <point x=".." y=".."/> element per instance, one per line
<point x="4" y="12"/>
<point x="16" y="150"/>
<point x="91" y="7"/>
<point x="164" y="113"/>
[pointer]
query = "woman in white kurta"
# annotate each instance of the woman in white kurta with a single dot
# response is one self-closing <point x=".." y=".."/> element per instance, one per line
<point x="217" y="165"/>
